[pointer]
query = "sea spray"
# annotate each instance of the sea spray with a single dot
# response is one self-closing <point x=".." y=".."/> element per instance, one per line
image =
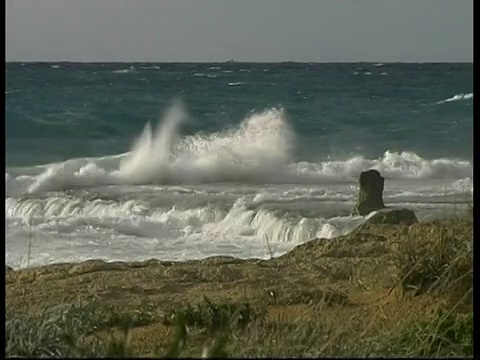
<point x="151" y="155"/>
<point x="258" y="150"/>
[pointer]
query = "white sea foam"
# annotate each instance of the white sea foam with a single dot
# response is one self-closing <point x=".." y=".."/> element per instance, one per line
<point x="457" y="97"/>
<point x="61" y="222"/>
<point x="131" y="69"/>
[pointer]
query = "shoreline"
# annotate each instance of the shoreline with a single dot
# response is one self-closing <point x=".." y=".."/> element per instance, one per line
<point x="337" y="280"/>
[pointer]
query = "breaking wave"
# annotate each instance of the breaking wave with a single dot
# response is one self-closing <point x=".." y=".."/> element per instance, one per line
<point x="258" y="151"/>
<point x="133" y="217"/>
<point x="457" y="97"/>
<point x="196" y="196"/>
<point x="131" y="69"/>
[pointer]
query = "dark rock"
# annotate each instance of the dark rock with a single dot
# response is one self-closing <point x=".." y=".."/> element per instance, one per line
<point x="370" y="195"/>
<point x="393" y="216"/>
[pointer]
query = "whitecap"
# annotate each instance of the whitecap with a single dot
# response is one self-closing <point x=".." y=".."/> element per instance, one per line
<point x="457" y="97"/>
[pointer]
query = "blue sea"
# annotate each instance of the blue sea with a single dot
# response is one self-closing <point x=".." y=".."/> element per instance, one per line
<point x="178" y="161"/>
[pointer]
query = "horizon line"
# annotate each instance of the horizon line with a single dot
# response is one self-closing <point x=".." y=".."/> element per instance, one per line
<point x="234" y="62"/>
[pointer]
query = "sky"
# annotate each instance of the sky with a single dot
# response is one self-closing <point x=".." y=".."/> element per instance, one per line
<point x="240" y="30"/>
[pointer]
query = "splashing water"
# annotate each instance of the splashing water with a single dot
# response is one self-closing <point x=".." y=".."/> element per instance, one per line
<point x="257" y="150"/>
<point x="151" y="155"/>
<point x="221" y="208"/>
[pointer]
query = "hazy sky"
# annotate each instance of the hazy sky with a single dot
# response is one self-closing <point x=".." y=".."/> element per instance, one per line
<point x="243" y="30"/>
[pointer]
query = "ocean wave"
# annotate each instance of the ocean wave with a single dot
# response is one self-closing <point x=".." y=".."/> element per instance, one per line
<point x="241" y="220"/>
<point x="131" y="69"/>
<point x="237" y="83"/>
<point x="271" y="226"/>
<point x="393" y="165"/>
<point x="258" y="151"/>
<point x="63" y="206"/>
<point x="457" y="97"/>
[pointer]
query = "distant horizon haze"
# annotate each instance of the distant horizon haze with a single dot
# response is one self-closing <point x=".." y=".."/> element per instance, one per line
<point x="236" y="62"/>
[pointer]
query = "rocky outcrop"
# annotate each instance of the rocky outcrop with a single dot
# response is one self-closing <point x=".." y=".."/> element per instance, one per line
<point x="370" y="198"/>
<point x="392" y="216"/>
<point x="370" y="195"/>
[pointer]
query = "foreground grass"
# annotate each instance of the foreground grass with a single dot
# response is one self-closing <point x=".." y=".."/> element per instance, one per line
<point x="75" y="334"/>
<point x="428" y="313"/>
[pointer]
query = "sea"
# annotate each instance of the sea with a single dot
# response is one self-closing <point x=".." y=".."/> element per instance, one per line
<point x="180" y="161"/>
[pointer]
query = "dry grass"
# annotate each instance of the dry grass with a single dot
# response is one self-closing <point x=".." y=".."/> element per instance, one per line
<point x="350" y="333"/>
<point x="29" y="245"/>
<point x="441" y="262"/>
